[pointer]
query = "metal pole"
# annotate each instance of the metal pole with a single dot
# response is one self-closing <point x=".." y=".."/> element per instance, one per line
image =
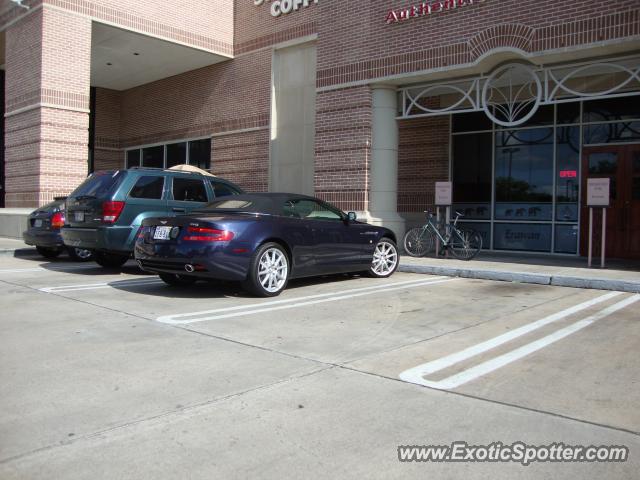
<point x="604" y="236"/>
<point x="590" y="234"/>
<point x="438" y="238"/>
<point x="448" y="220"/>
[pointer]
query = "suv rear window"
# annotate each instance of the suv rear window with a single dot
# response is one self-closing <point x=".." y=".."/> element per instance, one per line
<point x="222" y="189"/>
<point x="148" y="186"/>
<point x="189" y="190"/>
<point x="99" y="184"/>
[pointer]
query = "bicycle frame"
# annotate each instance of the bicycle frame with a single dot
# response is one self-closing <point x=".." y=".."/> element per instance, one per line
<point x="449" y="227"/>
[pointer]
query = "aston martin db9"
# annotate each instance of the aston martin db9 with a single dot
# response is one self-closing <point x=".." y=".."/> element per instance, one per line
<point x="263" y="240"/>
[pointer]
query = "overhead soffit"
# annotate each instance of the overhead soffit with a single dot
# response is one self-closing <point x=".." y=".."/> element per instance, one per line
<point x="121" y="59"/>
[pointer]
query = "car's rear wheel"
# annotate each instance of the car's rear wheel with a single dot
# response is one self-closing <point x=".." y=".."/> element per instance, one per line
<point x="268" y="271"/>
<point x="385" y="259"/>
<point x="80" y="254"/>
<point x="48" y="252"/>
<point x="110" y="260"/>
<point x="177" y="279"/>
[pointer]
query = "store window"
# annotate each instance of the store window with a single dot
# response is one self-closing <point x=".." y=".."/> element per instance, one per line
<point x="176" y="154"/>
<point x="193" y="152"/>
<point x="153" y="157"/>
<point x="567" y="173"/>
<point x="524" y="174"/>
<point x="133" y="158"/>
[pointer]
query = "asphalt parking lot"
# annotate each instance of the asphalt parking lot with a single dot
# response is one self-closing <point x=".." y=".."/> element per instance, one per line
<point x="111" y="374"/>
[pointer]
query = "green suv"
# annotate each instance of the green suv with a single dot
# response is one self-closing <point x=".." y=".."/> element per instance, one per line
<point x="106" y="211"/>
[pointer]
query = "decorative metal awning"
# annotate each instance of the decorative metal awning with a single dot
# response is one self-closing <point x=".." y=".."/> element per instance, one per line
<point x="513" y="92"/>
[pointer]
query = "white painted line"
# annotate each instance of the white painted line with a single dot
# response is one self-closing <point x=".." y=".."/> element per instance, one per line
<point x="95" y="286"/>
<point x="416" y="375"/>
<point x="50" y="269"/>
<point x="255" y="308"/>
<point x="445" y="362"/>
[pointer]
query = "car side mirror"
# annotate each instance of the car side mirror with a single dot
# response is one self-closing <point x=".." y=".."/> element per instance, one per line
<point x="352" y="217"/>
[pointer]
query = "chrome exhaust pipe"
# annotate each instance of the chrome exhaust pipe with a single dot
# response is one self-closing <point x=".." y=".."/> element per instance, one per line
<point x="189" y="268"/>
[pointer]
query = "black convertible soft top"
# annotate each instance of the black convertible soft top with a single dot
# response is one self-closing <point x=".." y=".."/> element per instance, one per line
<point x="265" y="203"/>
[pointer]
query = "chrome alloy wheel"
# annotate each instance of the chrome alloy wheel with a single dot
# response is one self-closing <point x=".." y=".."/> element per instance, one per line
<point x="385" y="258"/>
<point x="273" y="270"/>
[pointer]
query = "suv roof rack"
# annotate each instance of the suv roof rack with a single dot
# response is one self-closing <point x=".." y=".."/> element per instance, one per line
<point x="171" y="169"/>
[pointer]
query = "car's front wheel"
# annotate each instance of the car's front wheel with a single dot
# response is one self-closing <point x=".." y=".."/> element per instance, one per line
<point x="385" y="259"/>
<point x="176" y="279"/>
<point x="110" y="260"/>
<point x="268" y="271"/>
<point x="49" y="252"/>
<point x="80" y="254"/>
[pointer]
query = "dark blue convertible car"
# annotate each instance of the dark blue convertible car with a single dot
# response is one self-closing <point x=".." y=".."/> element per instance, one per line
<point x="263" y="240"/>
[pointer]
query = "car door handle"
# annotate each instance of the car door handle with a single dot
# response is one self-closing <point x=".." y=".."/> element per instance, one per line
<point x="183" y="210"/>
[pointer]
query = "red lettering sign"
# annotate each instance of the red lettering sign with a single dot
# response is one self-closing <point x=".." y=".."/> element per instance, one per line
<point x="568" y="174"/>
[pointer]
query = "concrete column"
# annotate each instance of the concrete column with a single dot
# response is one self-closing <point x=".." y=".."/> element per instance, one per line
<point x="383" y="194"/>
<point x="48" y="68"/>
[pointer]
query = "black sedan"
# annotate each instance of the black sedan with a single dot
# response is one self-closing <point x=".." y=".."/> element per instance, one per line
<point x="43" y="232"/>
<point x="263" y="240"/>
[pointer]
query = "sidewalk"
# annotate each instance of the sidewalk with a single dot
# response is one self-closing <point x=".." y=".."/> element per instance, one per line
<point x="622" y="275"/>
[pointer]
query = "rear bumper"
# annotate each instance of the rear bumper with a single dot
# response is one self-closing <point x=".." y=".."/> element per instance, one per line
<point x="215" y="262"/>
<point x="43" y="238"/>
<point x="109" y="239"/>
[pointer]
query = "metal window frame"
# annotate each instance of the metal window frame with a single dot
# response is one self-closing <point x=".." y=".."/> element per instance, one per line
<point x="165" y="144"/>
<point x="552" y="80"/>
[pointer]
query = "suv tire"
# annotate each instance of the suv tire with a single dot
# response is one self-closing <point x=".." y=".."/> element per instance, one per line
<point x="49" y="252"/>
<point x="110" y="260"/>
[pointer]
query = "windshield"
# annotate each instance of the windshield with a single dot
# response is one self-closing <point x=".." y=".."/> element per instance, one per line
<point x="240" y="203"/>
<point x="99" y="184"/>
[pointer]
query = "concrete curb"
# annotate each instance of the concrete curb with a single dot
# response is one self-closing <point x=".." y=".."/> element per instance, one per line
<point x="522" y="277"/>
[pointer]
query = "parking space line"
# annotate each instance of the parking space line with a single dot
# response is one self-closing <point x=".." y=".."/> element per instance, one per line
<point x="252" y="309"/>
<point x="49" y="269"/>
<point x="95" y="286"/>
<point x="416" y="375"/>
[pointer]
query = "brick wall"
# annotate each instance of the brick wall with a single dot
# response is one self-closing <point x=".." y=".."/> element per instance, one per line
<point x="108" y="152"/>
<point x="47" y="100"/>
<point x="343" y="147"/>
<point x="423" y="160"/>
<point x="205" y="24"/>
<point x="358" y="45"/>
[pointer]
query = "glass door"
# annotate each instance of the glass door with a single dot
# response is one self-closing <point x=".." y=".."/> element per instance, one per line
<point x="621" y="164"/>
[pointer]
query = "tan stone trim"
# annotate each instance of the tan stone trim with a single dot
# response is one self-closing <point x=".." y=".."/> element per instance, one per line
<point x="44" y="105"/>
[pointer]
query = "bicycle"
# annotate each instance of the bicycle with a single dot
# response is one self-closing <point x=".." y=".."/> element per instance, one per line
<point x="463" y="243"/>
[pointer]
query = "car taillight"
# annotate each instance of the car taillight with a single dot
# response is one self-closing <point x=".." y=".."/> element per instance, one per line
<point x="111" y="211"/>
<point x="208" y="235"/>
<point x="57" y="221"/>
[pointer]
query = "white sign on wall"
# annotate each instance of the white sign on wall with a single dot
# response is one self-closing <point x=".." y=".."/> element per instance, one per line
<point x="284" y="7"/>
<point x="444" y="193"/>
<point x="598" y="192"/>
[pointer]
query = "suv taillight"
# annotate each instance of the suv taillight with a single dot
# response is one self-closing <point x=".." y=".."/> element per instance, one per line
<point x="57" y="221"/>
<point x="111" y="211"/>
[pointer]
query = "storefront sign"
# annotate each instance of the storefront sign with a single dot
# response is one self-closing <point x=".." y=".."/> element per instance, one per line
<point x="443" y="194"/>
<point x="283" y="7"/>
<point x="598" y="192"/>
<point x="427" y="8"/>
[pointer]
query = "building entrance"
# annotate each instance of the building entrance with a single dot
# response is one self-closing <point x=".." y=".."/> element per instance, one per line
<point x="620" y="163"/>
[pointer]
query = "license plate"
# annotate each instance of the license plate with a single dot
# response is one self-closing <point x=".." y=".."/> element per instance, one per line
<point x="37" y="223"/>
<point x="78" y="216"/>
<point x="162" y="233"/>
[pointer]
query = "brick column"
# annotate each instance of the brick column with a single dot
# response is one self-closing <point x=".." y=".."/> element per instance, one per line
<point x="48" y="63"/>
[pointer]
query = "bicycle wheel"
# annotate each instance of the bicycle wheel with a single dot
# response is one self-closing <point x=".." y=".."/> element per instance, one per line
<point x="465" y="244"/>
<point x="418" y="242"/>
